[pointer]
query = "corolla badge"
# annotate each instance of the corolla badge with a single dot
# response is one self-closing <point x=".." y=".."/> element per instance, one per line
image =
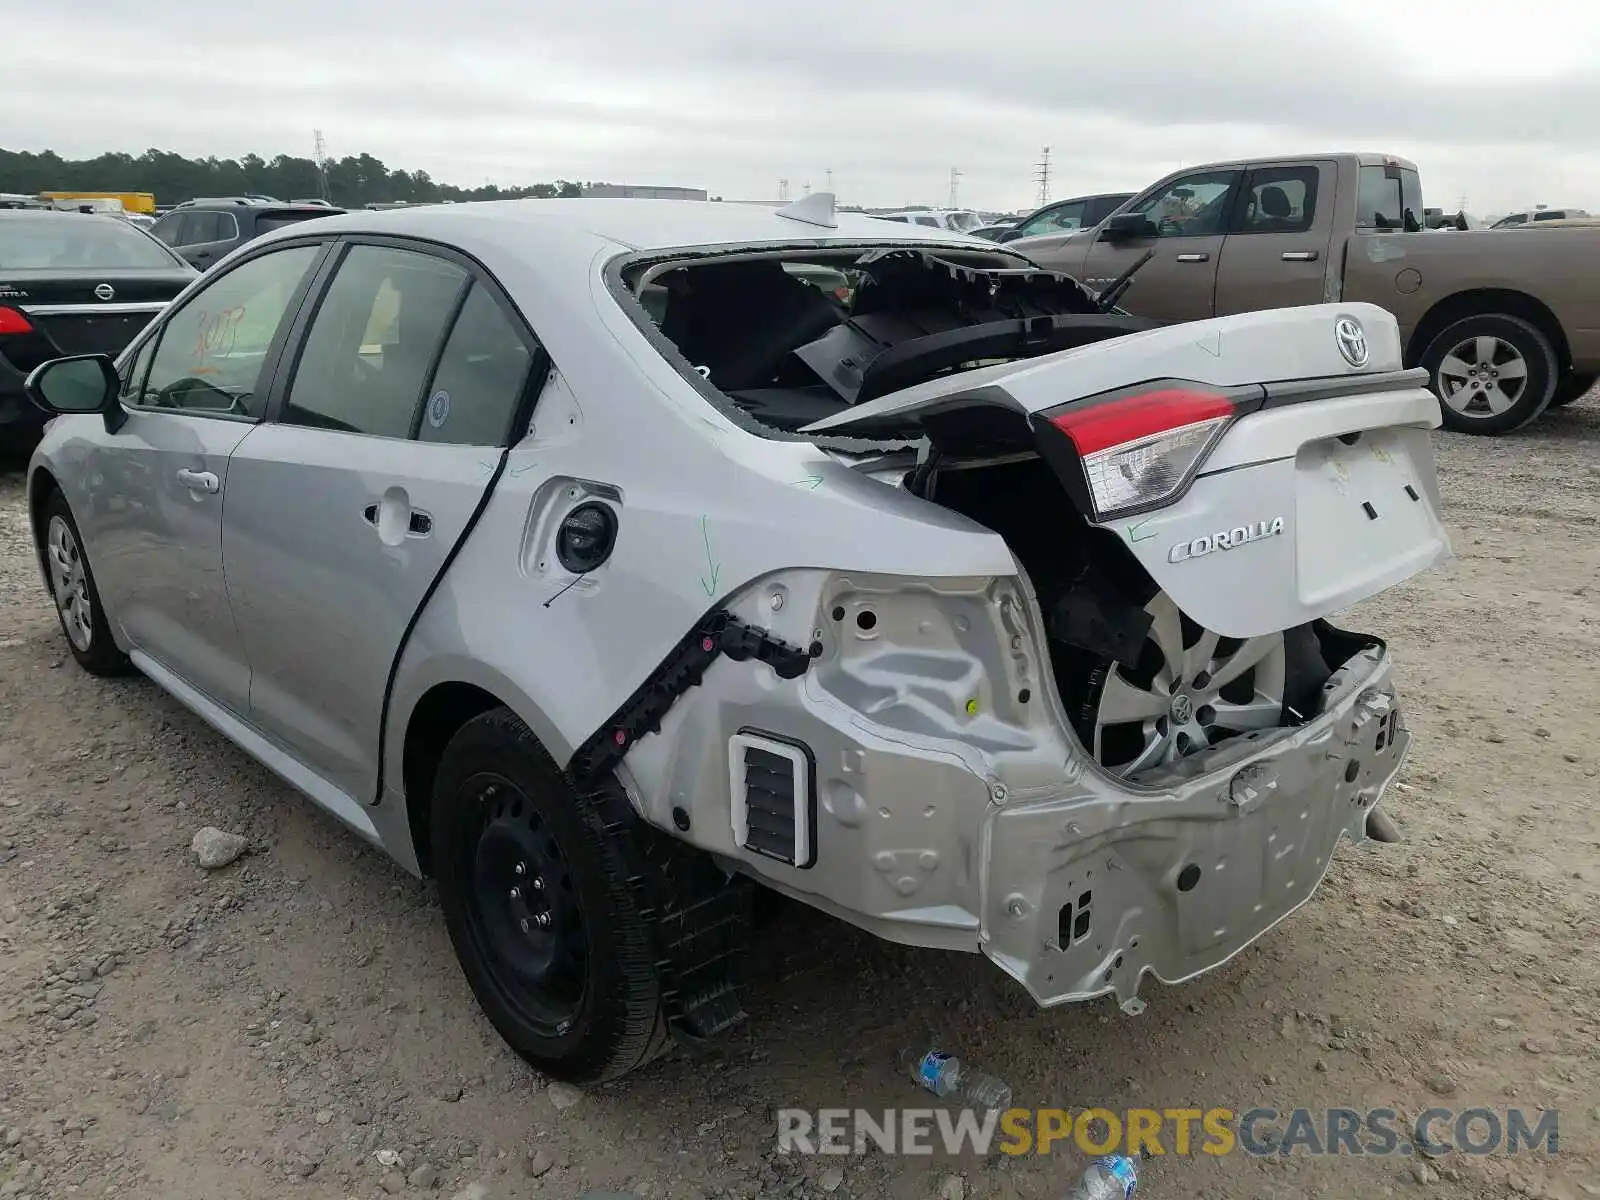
<point x="1225" y="539"/>
<point x="104" y="291"/>
<point x="1352" y="341"/>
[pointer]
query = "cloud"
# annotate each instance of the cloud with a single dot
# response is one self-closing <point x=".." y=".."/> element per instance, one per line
<point x="887" y="95"/>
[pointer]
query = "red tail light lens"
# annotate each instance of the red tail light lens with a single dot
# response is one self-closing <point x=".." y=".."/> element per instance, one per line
<point x="1139" y="451"/>
<point x="11" y="321"/>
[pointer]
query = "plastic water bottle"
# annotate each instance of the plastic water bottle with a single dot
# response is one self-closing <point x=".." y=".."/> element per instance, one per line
<point x="945" y="1076"/>
<point x="1110" y="1178"/>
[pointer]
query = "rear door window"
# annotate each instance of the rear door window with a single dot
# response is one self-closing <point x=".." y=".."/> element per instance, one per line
<point x="374" y="341"/>
<point x="203" y="227"/>
<point x="1279" y="200"/>
<point x="481" y="377"/>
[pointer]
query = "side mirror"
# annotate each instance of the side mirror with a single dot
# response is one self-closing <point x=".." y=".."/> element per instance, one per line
<point x="1126" y="227"/>
<point x="81" y="383"/>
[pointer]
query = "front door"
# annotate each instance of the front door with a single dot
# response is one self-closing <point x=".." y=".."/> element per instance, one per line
<point x="344" y="509"/>
<point x="193" y="396"/>
<point x="1276" y="255"/>
<point x="1188" y="218"/>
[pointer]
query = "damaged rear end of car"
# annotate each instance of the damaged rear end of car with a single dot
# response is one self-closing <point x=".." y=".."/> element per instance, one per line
<point x="1135" y="751"/>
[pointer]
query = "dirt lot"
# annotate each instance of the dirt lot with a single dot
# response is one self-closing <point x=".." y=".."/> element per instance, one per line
<point x="265" y="1030"/>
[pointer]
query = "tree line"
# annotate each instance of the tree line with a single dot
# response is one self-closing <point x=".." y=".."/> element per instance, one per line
<point x="352" y="181"/>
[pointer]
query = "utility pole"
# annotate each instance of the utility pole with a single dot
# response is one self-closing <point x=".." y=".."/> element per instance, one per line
<point x="955" y="175"/>
<point x="320" y="149"/>
<point x="783" y="189"/>
<point x="1042" y="177"/>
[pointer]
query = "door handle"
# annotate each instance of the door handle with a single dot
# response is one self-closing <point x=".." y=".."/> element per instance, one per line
<point x="1299" y="256"/>
<point x="1194" y="257"/>
<point x="418" y="523"/>
<point x="199" y="481"/>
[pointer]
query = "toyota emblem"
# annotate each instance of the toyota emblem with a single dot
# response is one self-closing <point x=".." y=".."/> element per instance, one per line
<point x="1352" y="341"/>
<point x="104" y="291"/>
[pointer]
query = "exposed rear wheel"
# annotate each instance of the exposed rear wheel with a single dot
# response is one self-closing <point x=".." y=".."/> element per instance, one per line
<point x="535" y="884"/>
<point x="1572" y="387"/>
<point x="1492" y="373"/>
<point x="1190" y="689"/>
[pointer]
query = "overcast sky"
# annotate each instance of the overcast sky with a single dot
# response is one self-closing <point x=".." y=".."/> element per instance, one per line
<point x="1497" y="102"/>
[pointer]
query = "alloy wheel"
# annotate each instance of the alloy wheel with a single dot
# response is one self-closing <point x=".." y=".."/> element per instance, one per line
<point x="1191" y="688"/>
<point x="1483" y="376"/>
<point x="69" y="581"/>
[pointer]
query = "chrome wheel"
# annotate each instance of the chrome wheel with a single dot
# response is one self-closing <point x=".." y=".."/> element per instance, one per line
<point x="1483" y="376"/>
<point x="70" y="582"/>
<point x="1190" y="689"/>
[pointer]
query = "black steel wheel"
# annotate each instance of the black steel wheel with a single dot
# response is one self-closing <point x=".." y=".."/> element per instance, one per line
<point x="538" y="891"/>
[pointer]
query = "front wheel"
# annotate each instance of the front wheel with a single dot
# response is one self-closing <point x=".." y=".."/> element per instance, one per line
<point x="82" y="616"/>
<point x="534" y="880"/>
<point x="1492" y="373"/>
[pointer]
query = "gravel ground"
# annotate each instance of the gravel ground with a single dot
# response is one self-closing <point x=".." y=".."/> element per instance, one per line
<point x="267" y="1029"/>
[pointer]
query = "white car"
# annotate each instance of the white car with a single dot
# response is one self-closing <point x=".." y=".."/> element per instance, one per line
<point x="956" y="220"/>
<point x="604" y="559"/>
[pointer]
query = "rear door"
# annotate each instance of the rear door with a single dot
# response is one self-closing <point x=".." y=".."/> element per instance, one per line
<point x="209" y="236"/>
<point x="1188" y="220"/>
<point x="1276" y="252"/>
<point x="345" y="507"/>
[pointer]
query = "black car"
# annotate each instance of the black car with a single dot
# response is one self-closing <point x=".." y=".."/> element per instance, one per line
<point x="1080" y="212"/>
<point x="72" y="283"/>
<point x="205" y="230"/>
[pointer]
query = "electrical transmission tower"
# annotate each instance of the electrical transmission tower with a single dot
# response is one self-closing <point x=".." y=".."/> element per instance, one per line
<point x="828" y="174"/>
<point x="955" y="186"/>
<point x="783" y="189"/>
<point x="320" y="149"/>
<point x="1042" y="177"/>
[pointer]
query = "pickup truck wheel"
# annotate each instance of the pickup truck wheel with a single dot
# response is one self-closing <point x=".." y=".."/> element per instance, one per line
<point x="1572" y="387"/>
<point x="535" y="883"/>
<point x="1493" y="373"/>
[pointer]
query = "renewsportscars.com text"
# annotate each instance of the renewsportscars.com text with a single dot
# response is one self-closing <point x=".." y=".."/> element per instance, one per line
<point x="1260" y="1132"/>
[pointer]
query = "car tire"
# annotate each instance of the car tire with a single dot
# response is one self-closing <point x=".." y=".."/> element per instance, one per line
<point x="539" y="886"/>
<point x="1484" y="397"/>
<point x="1572" y="387"/>
<point x="77" y="599"/>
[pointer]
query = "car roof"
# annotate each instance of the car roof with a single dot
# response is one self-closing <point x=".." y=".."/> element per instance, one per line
<point x="635" y="224"/>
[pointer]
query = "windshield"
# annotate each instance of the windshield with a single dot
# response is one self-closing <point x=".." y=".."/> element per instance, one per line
<point x="49" y="241"/>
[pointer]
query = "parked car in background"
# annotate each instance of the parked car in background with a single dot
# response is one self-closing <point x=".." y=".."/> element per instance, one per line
<point x="72" y="283"/>
<point x="203" y="231"/>
<point x="956" y="220"/>
<point x="602" y="612"/>
<point x="1535" y="215"/>
<point x="1506" y="327"/>
<point x="1066" y="216"/>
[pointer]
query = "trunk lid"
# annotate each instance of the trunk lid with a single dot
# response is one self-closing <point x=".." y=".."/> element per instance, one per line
<point x="1303" y="483"/>
<point x="83" y="311"/>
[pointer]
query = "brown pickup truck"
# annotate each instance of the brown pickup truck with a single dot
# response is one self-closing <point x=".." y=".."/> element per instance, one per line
<point x="1507" y="324"/>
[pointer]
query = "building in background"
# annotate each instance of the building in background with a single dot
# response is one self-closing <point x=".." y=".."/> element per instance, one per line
<point x="634" y="191"/>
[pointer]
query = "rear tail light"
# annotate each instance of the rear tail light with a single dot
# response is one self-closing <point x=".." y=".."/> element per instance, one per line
<point x="11" y="321"/>
<point x="1139" y="451"/>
